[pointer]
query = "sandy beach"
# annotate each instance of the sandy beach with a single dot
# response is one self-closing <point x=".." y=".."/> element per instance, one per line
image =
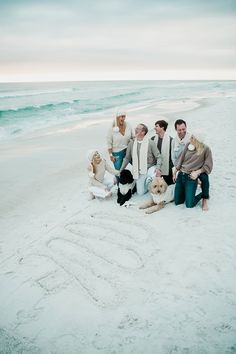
<point x="80" y="276"/>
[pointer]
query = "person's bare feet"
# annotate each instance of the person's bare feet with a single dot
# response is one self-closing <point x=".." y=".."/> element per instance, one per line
<point x="205" y="204"/>
<point x="108" y="195"/>
<point x="91" y="196"/>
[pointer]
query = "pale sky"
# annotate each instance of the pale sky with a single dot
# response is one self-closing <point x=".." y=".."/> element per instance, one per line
<point x="117" y="39"/>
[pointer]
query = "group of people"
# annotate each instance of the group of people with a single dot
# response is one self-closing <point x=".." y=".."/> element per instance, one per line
<point x="184" y="160"/>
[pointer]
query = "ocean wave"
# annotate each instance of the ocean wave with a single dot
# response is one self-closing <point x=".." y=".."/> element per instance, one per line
<point x="36" y="108"/>
<point x="75" y="105"/>
<point x="31" y="94"/>
<point x="124" y="95"/>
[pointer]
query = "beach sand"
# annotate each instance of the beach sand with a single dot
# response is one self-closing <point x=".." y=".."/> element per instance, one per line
<point x="80" y="276"/>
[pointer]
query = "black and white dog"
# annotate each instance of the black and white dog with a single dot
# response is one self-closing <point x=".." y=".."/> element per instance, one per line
<point x="126" y="187"/>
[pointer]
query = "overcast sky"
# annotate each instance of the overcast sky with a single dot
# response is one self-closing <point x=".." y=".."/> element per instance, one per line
<point x="112" y="39"/>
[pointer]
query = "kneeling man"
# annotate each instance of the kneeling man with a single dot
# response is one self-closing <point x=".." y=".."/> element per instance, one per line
<point x="143" y="154"/>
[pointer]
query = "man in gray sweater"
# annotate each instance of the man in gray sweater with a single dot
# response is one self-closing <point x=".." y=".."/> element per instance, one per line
<point x="143" y="154"/>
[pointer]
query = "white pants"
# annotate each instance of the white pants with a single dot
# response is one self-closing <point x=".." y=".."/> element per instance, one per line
<point x="108" y="184"/>
<point x="143" y="181"/>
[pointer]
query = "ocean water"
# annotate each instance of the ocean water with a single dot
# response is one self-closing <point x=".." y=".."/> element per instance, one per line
<point x="27" y="107"/>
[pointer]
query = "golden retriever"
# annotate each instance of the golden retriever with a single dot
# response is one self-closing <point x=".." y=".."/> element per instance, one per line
<point x="161" y="194"/>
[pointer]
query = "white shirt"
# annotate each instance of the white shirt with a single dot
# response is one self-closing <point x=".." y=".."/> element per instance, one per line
<point x="116" y="141"/>
<point x="178" y="146"/>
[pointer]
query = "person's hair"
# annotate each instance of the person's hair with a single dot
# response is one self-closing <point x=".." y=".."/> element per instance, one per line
<point x="145" y="128"/>
<point x="179" y="122"/>
<point x="199" y="146"/>
<point x="117" y="122"/>
<point x="93" y="167"/>
<point x="93" y="163"/>
<point x="162" y="123"/>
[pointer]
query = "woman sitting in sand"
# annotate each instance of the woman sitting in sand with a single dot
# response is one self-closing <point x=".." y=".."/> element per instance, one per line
<point x="195" y="162"/>
<point x="118" y="137"/>
<point x="100" y="183"/>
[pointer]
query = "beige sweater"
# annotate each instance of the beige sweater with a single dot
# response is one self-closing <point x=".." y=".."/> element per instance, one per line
<point x="189" y="161"/>
<point x="96" y="179"/>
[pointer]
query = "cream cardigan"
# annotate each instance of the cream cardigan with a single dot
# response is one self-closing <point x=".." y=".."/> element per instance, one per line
<point x="116" y="141"/>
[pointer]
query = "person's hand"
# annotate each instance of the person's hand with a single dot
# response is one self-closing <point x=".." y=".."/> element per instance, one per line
<point x="157" y="173"/>
<point x="174" y="174"/>
<point x="112" y="158"/>
<point x="194" y="175"/>
<point x="174" y="177"/>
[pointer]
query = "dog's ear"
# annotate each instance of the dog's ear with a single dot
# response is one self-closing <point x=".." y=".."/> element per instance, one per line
<point x="150" y="186"/>
<point x="122" y="177"/>
<point x="126" y="177"/>
<point x="130" y="178"/>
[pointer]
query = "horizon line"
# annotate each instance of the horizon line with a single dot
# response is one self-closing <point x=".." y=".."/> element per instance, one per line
<point x="107" y="80"/>
<point x="142" y="75"/>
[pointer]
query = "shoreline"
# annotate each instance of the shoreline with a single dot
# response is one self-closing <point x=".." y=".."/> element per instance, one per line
<point x="160" y="108"/>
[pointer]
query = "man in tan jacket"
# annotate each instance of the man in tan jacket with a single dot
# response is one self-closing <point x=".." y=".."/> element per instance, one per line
<point x="143" y="154"/>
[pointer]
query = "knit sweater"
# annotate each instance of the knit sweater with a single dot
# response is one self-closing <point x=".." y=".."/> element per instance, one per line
<point x="116" y="141"/>
<point x="189" y="161"/>
<point x="164" y="146"/>
<point x="97" y="179"/>
<point x="153" y="155"/>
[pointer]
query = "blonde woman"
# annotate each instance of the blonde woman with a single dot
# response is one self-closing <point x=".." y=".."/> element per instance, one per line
<point x="118" y="137"/>
<point x="195" y="162"/>
<point x="100" y="183"/>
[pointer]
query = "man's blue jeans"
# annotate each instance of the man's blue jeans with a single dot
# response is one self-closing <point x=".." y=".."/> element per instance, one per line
<point x="185" y="190"/>
<point x="205" y="185"/>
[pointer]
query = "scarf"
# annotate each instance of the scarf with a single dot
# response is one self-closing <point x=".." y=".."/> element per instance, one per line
<point x="177" y="142"/>
<point x="165" y="153"/>
<point x="140" y="162"/>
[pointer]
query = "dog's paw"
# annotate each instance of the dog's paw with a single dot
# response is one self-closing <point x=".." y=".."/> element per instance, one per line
<point x="128" y="204"/>
<point x="148" y="211"/>
<point x="155" y="208"/>
<point x="108" y="195"/>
